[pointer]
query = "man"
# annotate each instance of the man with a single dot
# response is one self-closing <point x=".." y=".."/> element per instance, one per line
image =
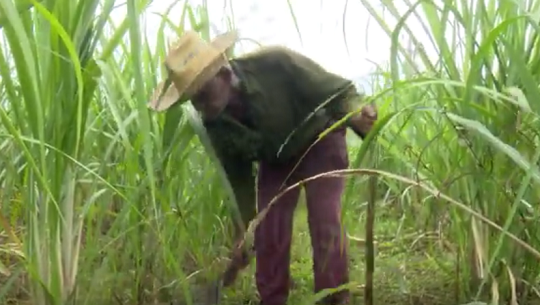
<point x="254" y="109"/>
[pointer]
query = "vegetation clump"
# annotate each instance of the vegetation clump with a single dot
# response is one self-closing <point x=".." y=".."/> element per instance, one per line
<point x="104" y="201"/>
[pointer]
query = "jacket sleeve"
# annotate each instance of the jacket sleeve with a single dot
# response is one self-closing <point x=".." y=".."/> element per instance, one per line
<point x="242" y="180"/>
<point x="316" y="86"/>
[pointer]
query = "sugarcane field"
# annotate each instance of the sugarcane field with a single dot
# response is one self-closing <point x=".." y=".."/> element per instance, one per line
<point x="194" y="152"/>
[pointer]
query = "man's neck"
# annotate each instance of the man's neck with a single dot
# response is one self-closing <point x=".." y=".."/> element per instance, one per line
<point x="235" y="106"/>
<point x="235" y="80"/>
<point x="236" y="87"/>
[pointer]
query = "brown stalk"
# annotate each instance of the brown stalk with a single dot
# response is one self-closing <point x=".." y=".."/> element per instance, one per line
<point x="370" y="252"/>
<point x="348" y="172"/>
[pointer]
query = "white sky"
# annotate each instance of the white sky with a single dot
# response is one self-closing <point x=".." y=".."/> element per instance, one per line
<point x="320" y="23"/>
<point x="321" y="26"/>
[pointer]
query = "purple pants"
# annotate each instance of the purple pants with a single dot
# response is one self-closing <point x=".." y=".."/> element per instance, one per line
<point x="273" y="235"/>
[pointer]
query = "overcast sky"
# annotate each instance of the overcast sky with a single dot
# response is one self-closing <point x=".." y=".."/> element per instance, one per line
<point x="321" y="27"/>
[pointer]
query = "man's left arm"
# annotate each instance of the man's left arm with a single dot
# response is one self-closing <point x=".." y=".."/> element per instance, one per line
<point x="317" y="85"/>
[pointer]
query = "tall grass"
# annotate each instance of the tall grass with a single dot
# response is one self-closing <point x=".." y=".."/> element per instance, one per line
<point x="467" y="123"/>
<point x="102" y="187"/>
<point x="104" y="200"/>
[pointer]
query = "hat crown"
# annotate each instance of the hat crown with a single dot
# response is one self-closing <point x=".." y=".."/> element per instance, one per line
<point x="190" y="63"/>
<point x="189" y="55"/>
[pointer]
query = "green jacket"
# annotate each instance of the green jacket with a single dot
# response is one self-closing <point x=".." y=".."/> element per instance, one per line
<point x="281" y="88"/>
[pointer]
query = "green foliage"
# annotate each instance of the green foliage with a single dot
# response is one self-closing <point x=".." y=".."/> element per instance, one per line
<point x="104" y="200"/>
<point x="471" y="124"/>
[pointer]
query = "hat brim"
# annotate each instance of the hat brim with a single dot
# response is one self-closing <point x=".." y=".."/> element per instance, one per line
<point x="166" y="94"/>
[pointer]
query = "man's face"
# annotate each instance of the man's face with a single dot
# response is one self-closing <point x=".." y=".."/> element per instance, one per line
<point x="213" y="97"/>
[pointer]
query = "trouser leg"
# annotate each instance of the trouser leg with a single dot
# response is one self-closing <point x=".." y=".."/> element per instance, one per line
<point x="273" y="235"/>
<point x="323" y="198"/>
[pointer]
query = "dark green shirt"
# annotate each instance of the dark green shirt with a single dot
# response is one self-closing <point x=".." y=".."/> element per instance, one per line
<point x="280" y="88"/>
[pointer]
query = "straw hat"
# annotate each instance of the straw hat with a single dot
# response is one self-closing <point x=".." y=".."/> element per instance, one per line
<point x="191" y="62"/>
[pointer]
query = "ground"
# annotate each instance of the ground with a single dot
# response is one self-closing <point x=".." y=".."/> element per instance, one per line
<point x="417" y="270"/>
<point x="404" y="273"/>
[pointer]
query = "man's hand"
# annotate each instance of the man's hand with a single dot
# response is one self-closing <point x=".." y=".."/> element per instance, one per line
<point x="362" y="122"/>
<point x="240" y="259"/>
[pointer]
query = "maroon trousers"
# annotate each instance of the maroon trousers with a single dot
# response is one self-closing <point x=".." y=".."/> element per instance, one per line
<point x="323" y="196"/>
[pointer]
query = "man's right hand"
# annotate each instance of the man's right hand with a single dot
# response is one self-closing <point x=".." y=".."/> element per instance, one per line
<point x="240" y="259"/>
